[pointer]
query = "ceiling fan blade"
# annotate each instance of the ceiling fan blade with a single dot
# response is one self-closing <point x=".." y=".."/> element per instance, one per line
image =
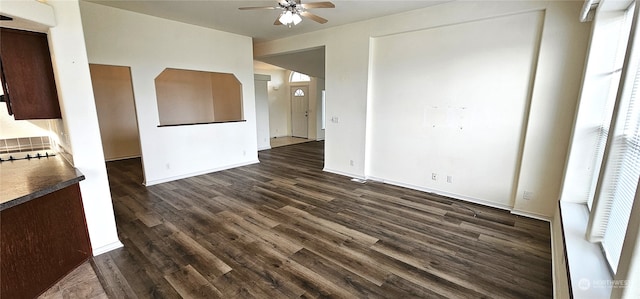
<point x="314" y="17"/>
<point x="318" y="5"/>
<point x="257" y="7"/>
<point x="277" y="22"/>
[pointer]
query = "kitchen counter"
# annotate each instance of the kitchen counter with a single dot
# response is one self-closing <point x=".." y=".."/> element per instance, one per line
<point x="24" y="180"/>
<point x="44" y="232"/>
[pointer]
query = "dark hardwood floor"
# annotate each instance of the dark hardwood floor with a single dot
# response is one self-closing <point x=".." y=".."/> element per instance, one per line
<point x="285" y="229"/>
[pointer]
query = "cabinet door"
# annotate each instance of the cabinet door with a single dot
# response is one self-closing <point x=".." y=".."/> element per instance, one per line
<point x="41" y="241"/>
<point x="26" y="64"/>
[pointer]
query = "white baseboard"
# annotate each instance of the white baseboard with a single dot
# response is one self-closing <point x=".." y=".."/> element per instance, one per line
<point x="188" y="175"/>
<point x="558" y="266"/>
<point x="351" y="175"/>
<point x="106" y="248"/>
<point x="443" y="193"/>
<point x="122" y="158"/>
<point x="531" y="215"/>
<point x="262" y="148"/>
<point x="553" y="261"/>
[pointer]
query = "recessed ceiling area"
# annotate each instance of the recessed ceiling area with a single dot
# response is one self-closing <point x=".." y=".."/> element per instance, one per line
<point x="224" y="15"/>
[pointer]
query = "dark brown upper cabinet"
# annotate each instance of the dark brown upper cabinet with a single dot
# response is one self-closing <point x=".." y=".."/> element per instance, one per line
<point x="27" y="75"/>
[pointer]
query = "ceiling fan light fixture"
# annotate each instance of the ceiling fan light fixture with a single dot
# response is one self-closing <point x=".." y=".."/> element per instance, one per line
<point x="286" y="18"/>
<point x="293" y="11"/>
<point x="296" y="19"/>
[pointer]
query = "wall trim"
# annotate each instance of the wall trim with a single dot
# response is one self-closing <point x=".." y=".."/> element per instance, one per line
<point x="343" y="173"/>
<point x="262" y="148"/>
<point x="558" y="259"/>
<point x="553" y="261"/>
<point x="123" y="158"/>
<point x="443" y="193"/>
<point x="192" y="174"/>
<point x="531" y="215"/>
<point x="106" y="248"/>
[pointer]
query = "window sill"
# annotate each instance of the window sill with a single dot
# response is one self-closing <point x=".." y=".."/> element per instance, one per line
<point x="588" y="272"/>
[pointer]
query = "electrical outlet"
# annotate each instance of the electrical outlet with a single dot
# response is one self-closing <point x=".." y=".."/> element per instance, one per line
<point x="351" y="162"/>
<point x="434" y="176"/>
<point x="449" y="179"/>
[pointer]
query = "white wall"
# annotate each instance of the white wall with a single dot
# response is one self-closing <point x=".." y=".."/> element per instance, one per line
<point x="556" y="81"/>
<point x="462" y="97"/>
<point x="149" y="45"/>
<point x="71" y="70"/>
<point x="10" y="128"/>
<point x="317" y="87"/>
<point x="279" y="104"/>
<point x="73" y="80"/>
<point x="261" y="84"/>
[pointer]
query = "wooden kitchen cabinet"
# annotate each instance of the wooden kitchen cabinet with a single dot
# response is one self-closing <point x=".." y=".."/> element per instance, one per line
<point x="27" y="75"/>
<point x="41" y="241"/>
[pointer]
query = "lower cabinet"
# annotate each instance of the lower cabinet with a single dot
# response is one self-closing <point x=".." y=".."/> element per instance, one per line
<point x="41" y="241"/>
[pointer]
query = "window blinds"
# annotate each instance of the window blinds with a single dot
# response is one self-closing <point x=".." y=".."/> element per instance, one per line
<point x="617" y="187"/>
<point x="626" y="170"/>
<point x="621" y="39"/>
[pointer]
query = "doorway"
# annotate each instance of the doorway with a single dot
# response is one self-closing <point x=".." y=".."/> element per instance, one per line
<point x="113" y="92"/>
<point x="300" y="111"/>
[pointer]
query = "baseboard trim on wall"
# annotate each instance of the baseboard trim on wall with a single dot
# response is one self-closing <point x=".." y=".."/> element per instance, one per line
<point x="343" y="173"/>
<point x="553" y="260"/>
<point x="188" y="175"/>
<point x="262" y="148"/>
<point x="558" y="265"/>
<point x="443" y="193"/>
<point x="106" y="248"/>
<point x="123" y="158"/>
<point x="531" y="215"/>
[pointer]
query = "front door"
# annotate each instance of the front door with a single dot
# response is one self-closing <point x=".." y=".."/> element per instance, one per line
<point x="299" y="111"/>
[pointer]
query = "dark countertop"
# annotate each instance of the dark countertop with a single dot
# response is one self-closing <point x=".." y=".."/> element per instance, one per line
<point x="24" y="180"/>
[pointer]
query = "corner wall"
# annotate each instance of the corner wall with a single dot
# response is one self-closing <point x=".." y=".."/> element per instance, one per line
<point x="278" y="94"/>
<point x="149" y="45"/>
<point x="81" y="121"/>
<point x="79" y="118"/>
<point x="261" y="84"/>
<point x="546" y="129"/>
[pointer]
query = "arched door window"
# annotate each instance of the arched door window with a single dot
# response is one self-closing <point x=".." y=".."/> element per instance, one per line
<point x="299" y="77"/>
<point x="298" y="93"/>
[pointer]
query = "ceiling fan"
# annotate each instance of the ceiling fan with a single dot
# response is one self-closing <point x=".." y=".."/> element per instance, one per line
<point x="292" y="10"/>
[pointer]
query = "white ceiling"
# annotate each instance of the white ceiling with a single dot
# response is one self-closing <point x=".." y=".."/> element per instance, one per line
<point x="224" y="14"/>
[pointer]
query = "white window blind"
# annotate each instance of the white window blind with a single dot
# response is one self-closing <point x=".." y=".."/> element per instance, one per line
<point x="617" y="187"/>
<point x="614" y="77"/>
<point x="626" y="170"/>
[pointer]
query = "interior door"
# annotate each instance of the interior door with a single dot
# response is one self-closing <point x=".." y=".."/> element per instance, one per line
<point x="299" y="111"/>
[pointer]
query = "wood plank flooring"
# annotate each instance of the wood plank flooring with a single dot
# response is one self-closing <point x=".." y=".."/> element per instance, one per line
<point x="287" y="140"/>
<point x="286" y="229"/>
